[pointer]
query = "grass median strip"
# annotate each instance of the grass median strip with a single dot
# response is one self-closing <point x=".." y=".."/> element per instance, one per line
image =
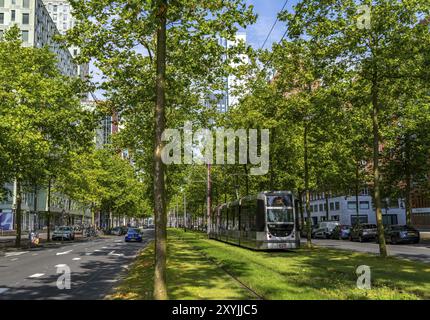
<point x="318" y="273"/>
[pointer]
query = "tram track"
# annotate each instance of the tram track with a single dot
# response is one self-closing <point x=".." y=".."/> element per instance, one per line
<point x="232" y="276"/>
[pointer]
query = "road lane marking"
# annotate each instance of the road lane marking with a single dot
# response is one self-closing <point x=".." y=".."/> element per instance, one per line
<point x="18" y="253"/>
<point x="88" y="253"/>
<point x="34" y="254"/>
<point x="76" y="259"/>
<point x="115" y="254"/>
<point x="65" y="252"/>
<point x="97" y="250"/>
<point x="36" y="275"/>
<point x="60" y="265"/>
<point x="14" y="259"/>
<point x="3" y="290"/>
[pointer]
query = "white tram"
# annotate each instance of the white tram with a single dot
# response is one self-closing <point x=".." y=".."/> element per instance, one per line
<point x="266" y="221"/>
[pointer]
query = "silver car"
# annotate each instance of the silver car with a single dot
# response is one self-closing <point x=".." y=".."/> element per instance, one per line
<point x="63" y="233"/>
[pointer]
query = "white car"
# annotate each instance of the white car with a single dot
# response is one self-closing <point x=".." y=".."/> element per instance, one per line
<point x="63" y="233"/>
<point x="325" y="229"/>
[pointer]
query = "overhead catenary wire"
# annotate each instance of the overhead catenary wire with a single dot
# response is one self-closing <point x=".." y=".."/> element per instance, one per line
<point x="274" y="24"/>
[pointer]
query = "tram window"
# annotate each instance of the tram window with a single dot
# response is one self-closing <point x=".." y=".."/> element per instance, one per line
<point x="279" y="201"/>
<point x="280" y="215"/>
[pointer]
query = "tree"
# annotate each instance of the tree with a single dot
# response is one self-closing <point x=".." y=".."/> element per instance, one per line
<point x="380" y="45"/>
<point x="115" y="36"/>
<point x="40" y="113"/>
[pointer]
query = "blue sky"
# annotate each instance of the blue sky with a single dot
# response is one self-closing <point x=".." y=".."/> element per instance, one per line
<point x="267" y="11"/>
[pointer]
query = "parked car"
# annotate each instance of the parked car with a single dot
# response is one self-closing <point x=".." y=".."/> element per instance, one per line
<point x="363" y="232"/>
<point x="341" y="232"/>
<point x="304" y="231"/>
<point x="325" y="229"/>
<point x="63" y="233"/>
<point x="401" y="234"/>
<point x="117" y="231"/>
<point x="124" y="230"/>
<point x="133" y="234"/>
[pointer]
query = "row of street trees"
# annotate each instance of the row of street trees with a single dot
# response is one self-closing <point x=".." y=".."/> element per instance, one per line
<point x="47" y="137"/>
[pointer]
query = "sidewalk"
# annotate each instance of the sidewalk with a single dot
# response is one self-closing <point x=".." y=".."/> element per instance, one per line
<point x="8" y="243"/>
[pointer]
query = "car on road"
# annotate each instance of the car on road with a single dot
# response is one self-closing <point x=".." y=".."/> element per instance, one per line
<point x="117" y="231"/>
<point x="325" y="229"/>
<point x="133" y="234"/>
<point x="63" y="233"/>
<point x="363" y="232"/>
<point x="401" y="234"/>
<point x="341" y="232"/>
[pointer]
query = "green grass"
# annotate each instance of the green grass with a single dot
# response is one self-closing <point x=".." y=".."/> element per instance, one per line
<point x="318" y="273"/>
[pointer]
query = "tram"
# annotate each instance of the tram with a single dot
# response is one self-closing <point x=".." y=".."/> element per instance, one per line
<point x="266" y="221"/>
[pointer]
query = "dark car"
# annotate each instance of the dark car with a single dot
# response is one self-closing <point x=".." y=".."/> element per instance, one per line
<point x="124" y="230"/>
<point x="363" y="232"/>
<point x="133" y="235"/>
<point x="304" y="231"/>
<point x="341" y="232"/>
<point x="401" y="234"/>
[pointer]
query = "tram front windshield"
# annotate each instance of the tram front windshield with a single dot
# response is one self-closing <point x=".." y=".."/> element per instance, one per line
<point x="279" y="209"/>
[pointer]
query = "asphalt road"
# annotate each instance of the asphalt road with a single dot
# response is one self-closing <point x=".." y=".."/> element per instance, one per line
<point x="96" y="266"/>
<point x="419" y="252"/>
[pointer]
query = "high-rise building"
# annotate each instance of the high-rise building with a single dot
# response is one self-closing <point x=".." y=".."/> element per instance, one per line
<point x="227" y="98"/>
<point x="62" y="15"/>
<point x="37" y="29"/>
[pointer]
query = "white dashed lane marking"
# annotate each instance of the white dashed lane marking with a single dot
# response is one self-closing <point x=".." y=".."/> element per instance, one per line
<point x="36" y="275"/>
<point x="76" y="259"/>
<point x="65" y="252"/>
<point x="14" y="259"/>
<point x="10" y="254"/>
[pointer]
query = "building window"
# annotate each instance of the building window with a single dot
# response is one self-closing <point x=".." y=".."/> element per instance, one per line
<point x="364" y="204"/>
<point x="12" y="15"/>
<point x="25" y="35"/>
<point x="337" y="205"/>
<point x="54" y="17"/>
<point x="331" y="206"/>
<point x="321" y="207"/>
<point x="325" y="206"/>
<point x="351" y="205"/>
<point x="55" y="8"/>
<point x="361" y="219"/>
<point x="1" y="18"/>
<point x="13" y="2"/>
<point x="25" y="18"/>
<point x="1" y="3"/>
<point x="26" y="4"/>
<point x="335" y="218"/>
<point x="316" y="208"/>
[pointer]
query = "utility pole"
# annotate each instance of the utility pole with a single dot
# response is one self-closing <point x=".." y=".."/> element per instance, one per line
<point x="209" y="191"/>
<point x="185" y="213"/>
